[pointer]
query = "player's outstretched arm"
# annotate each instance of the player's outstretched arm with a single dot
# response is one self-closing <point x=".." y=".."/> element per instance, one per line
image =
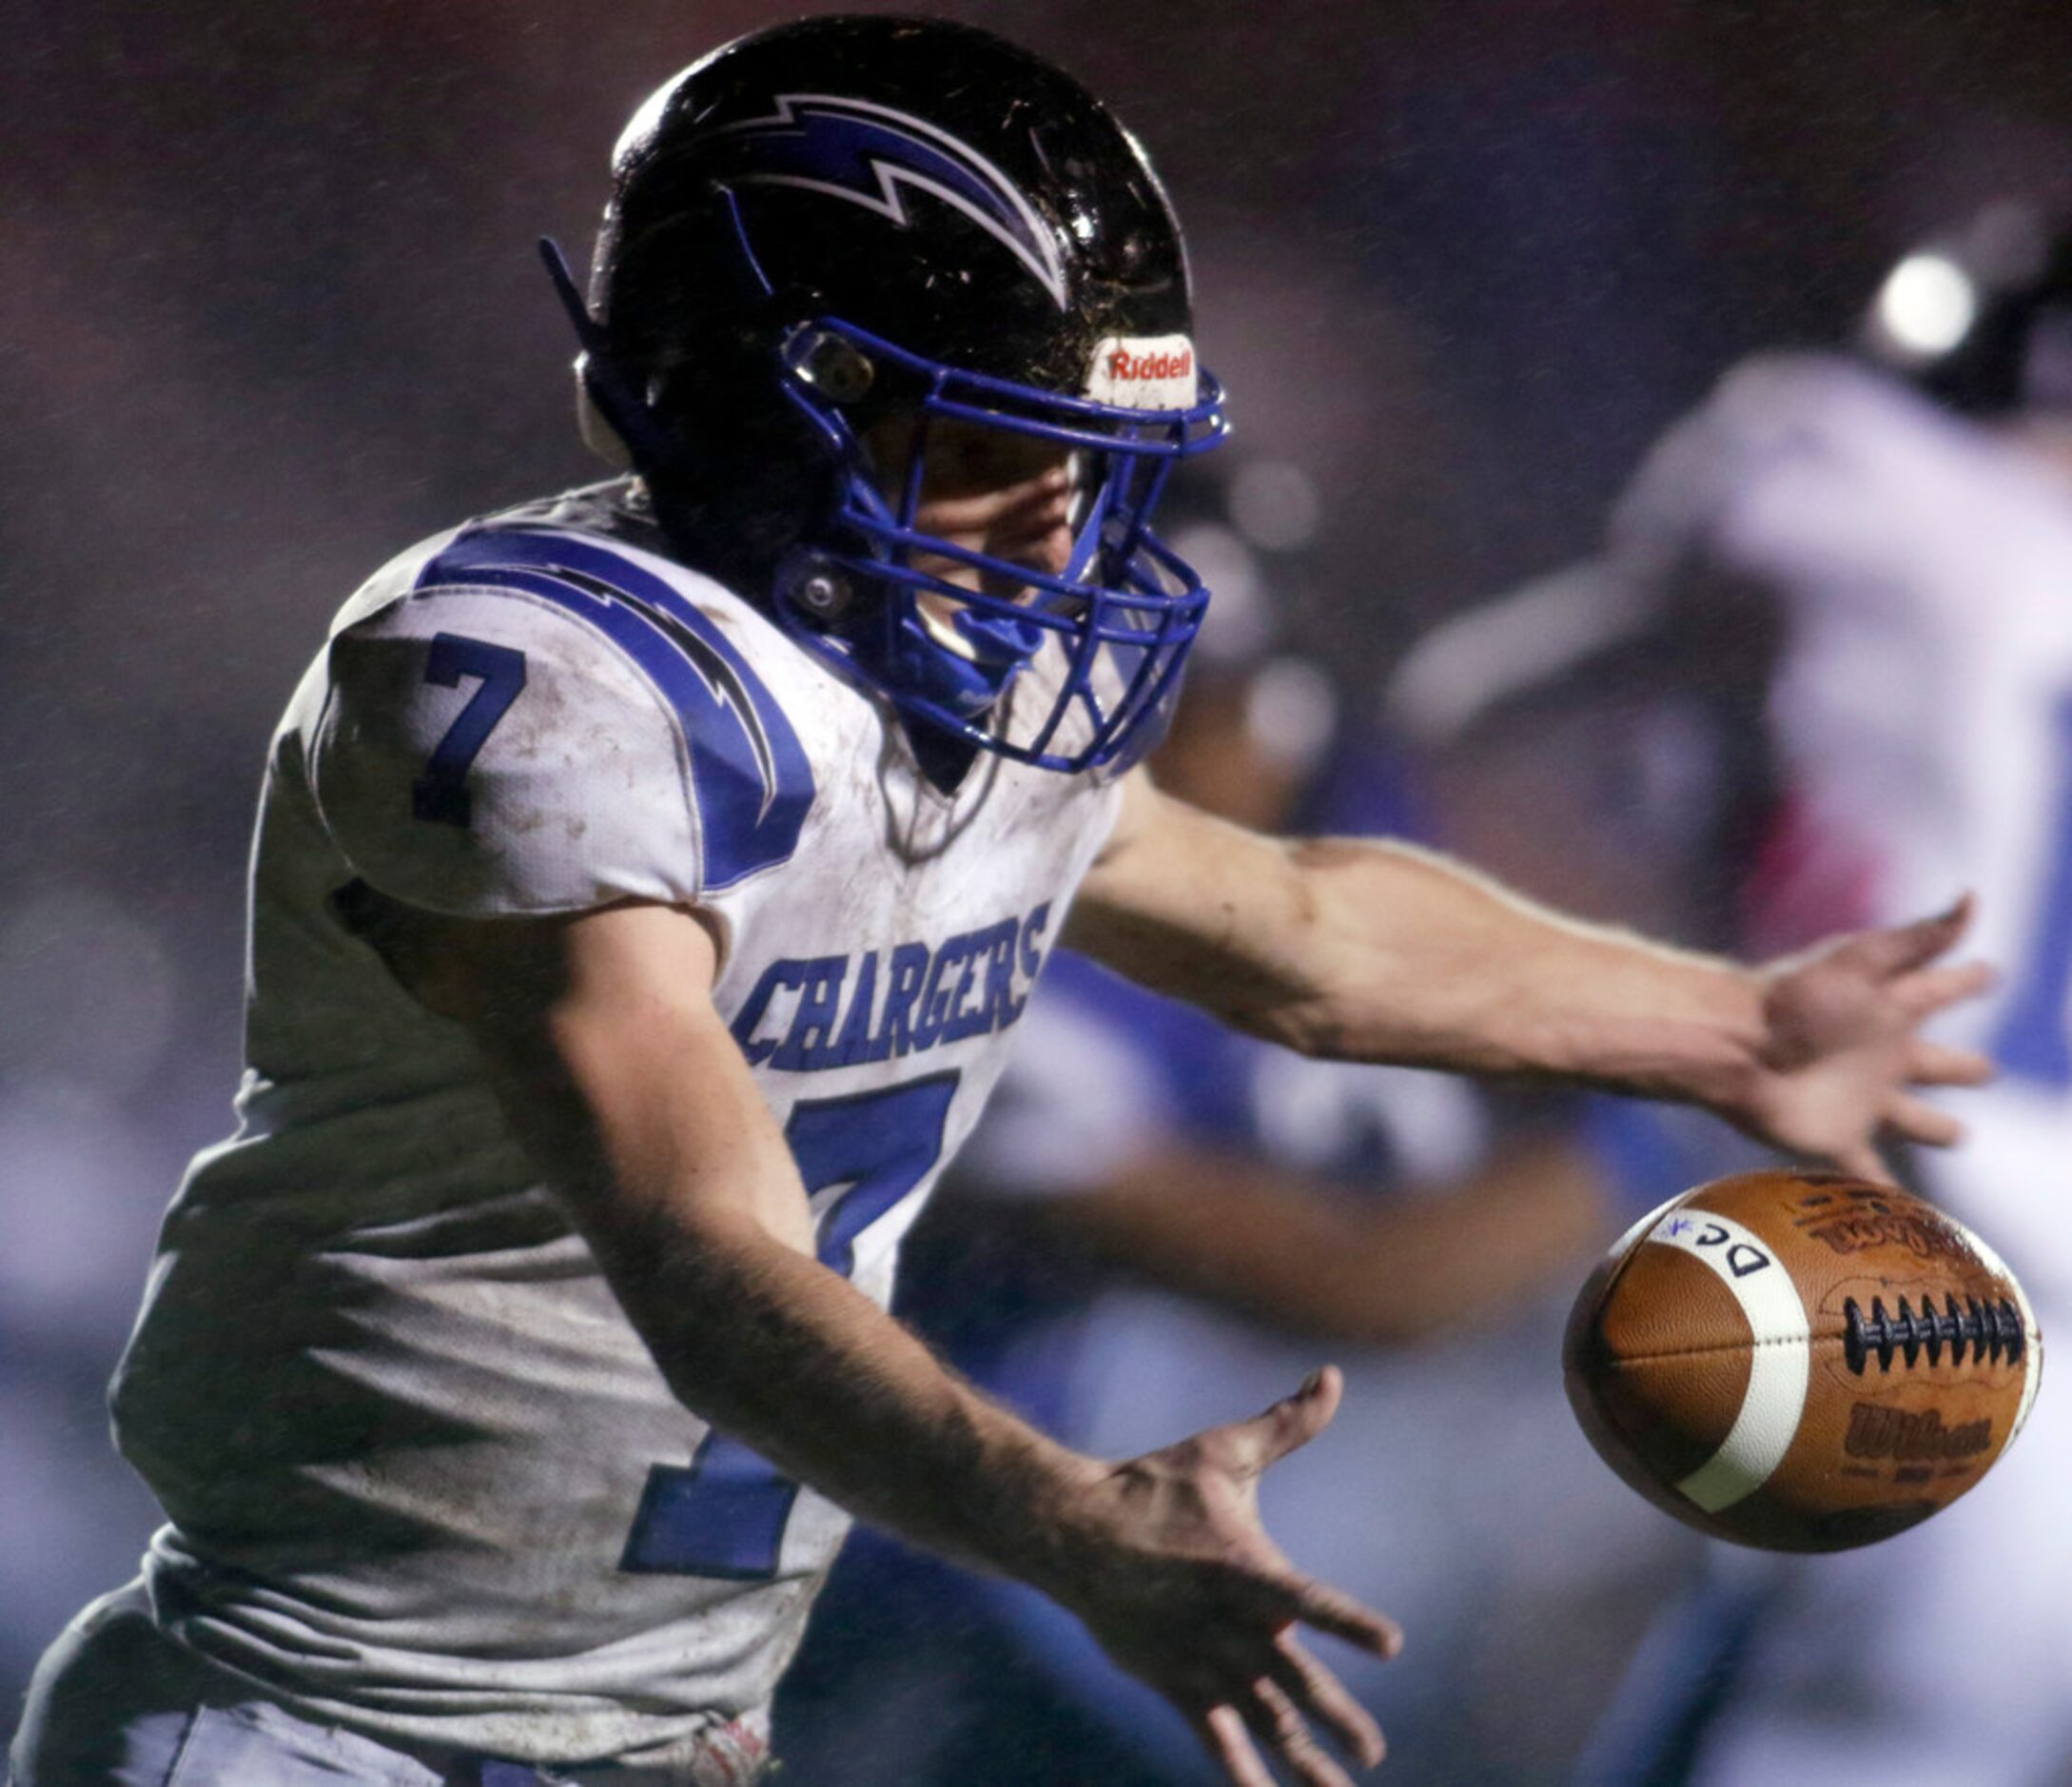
<point x="625" y="1084"/>
<point x="1371" y="950"/>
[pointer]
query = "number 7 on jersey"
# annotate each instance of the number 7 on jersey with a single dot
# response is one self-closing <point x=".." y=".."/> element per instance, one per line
<point x="440" y="795"/>
<point x="725" y="1514"/>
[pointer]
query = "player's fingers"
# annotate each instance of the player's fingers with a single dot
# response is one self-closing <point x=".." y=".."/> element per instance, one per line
<point x="1277" y="1719"/>
<point x="1324" y="1697"/>
<point x="1935" y="1063"/>
<point x="1294" y="1420"/>
<point x="1293" y="1597"/>
<point x="1919" y="1121"/>
<point x="1277" y="1722"/>
<point x="1931" y="989"/>
<point x="1223" y="1731"/>
<point x="1900" y="948"/>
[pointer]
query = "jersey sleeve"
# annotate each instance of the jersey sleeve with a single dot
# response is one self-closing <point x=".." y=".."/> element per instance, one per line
<point x="482" y="755"/>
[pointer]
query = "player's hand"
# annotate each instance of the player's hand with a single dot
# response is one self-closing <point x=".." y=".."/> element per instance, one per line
<point x="1841" y="1044"/>
<point x="1184" y="1588"/>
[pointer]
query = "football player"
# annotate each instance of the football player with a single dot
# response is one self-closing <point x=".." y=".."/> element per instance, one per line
<point x="647" y="886"/>
<point x="1860" y="564"/>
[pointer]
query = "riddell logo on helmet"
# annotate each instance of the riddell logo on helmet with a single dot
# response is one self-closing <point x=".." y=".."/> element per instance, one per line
<point x="1144" y="372"/>
<point x="1124" y="365"/>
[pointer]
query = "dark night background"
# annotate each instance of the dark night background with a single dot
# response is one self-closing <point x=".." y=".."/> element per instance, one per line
<point x="269" y="311"/>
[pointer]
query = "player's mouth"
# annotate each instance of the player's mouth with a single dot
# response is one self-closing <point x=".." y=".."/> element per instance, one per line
<point x="941" y="626"/>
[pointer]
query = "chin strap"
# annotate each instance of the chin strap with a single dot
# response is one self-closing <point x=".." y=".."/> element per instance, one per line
<point x="968" y="687"/>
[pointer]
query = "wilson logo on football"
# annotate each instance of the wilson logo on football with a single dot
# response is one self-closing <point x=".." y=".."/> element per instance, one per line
<point x="1876" y="1432"/>
<point x="1144" y="372"/>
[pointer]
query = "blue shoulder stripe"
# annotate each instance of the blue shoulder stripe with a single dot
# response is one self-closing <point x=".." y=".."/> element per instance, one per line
<point x="749" y="773"/>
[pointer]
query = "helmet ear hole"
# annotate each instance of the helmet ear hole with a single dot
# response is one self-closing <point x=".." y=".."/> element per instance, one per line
<point x="831" y="364"/>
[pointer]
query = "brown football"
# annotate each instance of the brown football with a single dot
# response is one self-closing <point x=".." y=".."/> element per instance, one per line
<point x="1801" y="1361"/>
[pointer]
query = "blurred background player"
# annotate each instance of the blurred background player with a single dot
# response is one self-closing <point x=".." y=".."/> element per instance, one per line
<point x="1833" y="628"/>
<point x="1156" y="1205"/>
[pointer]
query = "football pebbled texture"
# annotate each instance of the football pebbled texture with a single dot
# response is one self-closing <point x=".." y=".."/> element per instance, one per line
<point x="1801" y="1361"/>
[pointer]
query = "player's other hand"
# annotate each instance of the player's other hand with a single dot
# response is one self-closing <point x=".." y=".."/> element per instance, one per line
<point x="1180" y="1582"/>
<point x="1841" y="1050"/>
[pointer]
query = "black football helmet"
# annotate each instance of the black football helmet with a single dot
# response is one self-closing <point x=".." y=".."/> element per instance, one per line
<point x="843" y="220"/>
<point x="1981" y="317"/>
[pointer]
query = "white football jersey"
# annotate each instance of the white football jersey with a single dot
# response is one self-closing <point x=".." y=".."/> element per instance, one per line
<point x="423" y="1478"/>
<point x="1922" y="711"/>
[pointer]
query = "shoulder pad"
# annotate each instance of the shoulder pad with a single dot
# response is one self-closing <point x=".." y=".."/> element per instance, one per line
<point x="751" y="778"/>
<point x="542" y="724"/>
<point x="480" y="754"/>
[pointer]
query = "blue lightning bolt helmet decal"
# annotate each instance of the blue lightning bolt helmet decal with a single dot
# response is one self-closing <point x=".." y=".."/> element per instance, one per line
<point x="870" y="154"/>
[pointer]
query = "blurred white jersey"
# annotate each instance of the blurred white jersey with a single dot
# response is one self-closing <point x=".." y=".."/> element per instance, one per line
<point x="1921" y="712"/>
<point x="1923" y="715"/>
<point x="422" y="1477"/>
